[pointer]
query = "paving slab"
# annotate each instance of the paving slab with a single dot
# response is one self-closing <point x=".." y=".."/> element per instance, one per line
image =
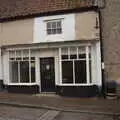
<point x="16" y="113"/>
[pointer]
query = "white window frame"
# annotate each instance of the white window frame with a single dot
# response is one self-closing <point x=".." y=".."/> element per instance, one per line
<point x="87" y="66"/>
<point x="56" y="28"/>
<point x="29" y="60"/>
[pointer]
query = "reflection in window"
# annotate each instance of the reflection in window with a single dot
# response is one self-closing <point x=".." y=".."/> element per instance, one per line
<point x="24" y="72"/>
<point x="76" y="62"/>
<point x="80" y="71"/>
<point x="67" y="72"/>
<point x="14" y="72"/>
<point x="32" y="71"/>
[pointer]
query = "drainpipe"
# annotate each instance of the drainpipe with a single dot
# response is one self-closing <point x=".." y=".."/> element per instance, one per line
<point x="102" y="55"/>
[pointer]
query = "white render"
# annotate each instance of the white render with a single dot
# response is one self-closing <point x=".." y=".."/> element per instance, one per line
<point x="68" y="31"/>
<point x="99" y="65"/>
<point x="1" y="66"/>
<point x="6" y="78"/>
<point x="54" y="52"/>
<point x="96" y="64"/>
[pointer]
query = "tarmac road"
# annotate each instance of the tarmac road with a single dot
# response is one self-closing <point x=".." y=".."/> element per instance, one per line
<point x="22" y="113"/>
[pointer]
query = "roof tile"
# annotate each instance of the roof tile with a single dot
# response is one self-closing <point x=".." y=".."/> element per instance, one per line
<point x="13" y="8"/>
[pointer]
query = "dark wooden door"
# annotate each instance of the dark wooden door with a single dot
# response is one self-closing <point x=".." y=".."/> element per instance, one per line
<point x="47" y="73"/>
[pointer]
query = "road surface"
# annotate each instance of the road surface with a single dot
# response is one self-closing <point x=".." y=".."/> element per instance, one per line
<point x="21" y="113"/>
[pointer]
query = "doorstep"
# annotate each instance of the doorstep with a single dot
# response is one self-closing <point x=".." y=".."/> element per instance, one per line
<point x="47" y="94"/>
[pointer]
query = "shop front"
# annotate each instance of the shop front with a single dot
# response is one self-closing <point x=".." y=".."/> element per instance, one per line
<point x="69" y="69"/>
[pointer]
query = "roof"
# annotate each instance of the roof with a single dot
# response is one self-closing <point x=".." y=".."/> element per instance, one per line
<point x="14" y="8"/>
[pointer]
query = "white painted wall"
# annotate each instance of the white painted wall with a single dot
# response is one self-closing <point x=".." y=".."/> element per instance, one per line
<point x="68" y="33"/>
<point x="6" y="68"/>
<point x="96" y="64"/>
<point x="1" y="71"/>
<point x="98" y="56"/>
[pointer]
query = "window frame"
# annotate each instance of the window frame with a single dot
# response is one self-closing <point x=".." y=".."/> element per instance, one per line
<point x="56" y="28"/>
<point x="87" y="59"/>
<point x="22" y="56"/>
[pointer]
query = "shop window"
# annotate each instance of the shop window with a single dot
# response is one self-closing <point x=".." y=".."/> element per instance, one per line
<point x="75" y="63"/>
<point x="22" y="69"/>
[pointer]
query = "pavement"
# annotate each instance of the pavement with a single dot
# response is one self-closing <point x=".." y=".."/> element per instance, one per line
<point x="64" y="104"/>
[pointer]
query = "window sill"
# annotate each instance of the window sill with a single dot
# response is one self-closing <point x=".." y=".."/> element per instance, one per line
<point x="85" y="84"/>
<point x="23" y="84"/>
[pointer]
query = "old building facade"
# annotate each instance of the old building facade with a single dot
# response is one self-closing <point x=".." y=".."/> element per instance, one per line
<point x="58" y="47"/>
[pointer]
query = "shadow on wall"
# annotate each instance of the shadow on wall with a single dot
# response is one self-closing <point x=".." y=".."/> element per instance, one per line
<point x="1" y="86"/>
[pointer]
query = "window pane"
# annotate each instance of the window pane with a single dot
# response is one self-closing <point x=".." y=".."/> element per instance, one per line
<point x="32" y="71"/>
<point x="80" y="71"/>
<point x="25" y="53"/>
<point x="81" y="50"/>
<point x="48" y="25"/>
<point x="18" y="53"/>
<point x="82" y="56"/>
<point x="59" y="30"/>
<point x="54" y="26"/>
<point x="26" y="58"/>
<point x="58" y="24"/>
<point x="14" y="72"/>
<point x="12" y="58"/>
<point x="53" y="31"/>
<point x="73" y="51"/>
<point x="64" y="51"/>
<point x="73" y="56"/>
<point x="24" y="71"/>
<point x="11" y="54"/>
<point x="32" y="58"/>
<point x="18" y="58"/>
<point x="49" y="31"/>
<point x="64" y="56"/>
<point x="67" y="72"/>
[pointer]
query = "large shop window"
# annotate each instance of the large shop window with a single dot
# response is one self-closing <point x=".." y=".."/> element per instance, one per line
<point x="22" y="67"/>
<point x="75" y="65"/>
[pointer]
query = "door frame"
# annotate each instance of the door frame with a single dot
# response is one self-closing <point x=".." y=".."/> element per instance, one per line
<point x="40" y="83"/>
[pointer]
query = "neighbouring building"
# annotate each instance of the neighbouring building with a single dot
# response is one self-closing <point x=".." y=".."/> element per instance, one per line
<point x="52" y="46"/>
<point x="110" y="18"/>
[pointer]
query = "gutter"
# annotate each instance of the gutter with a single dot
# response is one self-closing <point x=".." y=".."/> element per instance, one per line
<point x="102" y="55"/>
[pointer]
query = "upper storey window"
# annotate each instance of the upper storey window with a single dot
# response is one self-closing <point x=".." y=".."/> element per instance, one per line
<point x="54" y="27"/>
